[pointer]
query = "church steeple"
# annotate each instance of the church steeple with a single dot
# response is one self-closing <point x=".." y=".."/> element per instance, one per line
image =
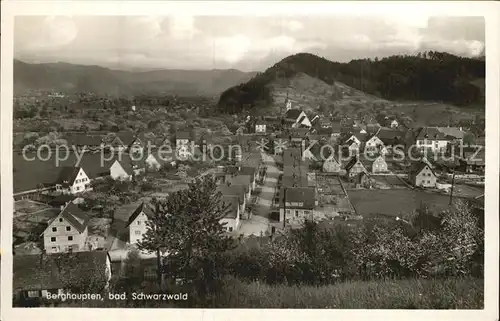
<point x="288" y="103"/>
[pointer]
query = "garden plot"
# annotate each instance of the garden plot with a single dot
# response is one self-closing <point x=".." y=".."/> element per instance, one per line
<point x="388" y="182"/>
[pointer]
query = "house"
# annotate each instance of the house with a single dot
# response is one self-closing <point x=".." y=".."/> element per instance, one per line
<point x="437" y="139"/>
<point x="122" y="141"/>
<point x="121" y="171"/>
<point x="72" y="180"/>
<point x="297" y="118"/>
<point x="297" y="204"/>
<point x="391" y="137"/>
<point x="297" y="135"/>
<point x="375" y="145"/>
<point x="332" y="165"/>
<point x="353" y="143"/>
<point x="355" y="167"/>
<point x="68" y="231"/>
<point x="182" y="138"/>
<point x="235" y="190"/>
<point x="421" y="175"/>
<point x="375" y="165"/>
<point x="472" y="160"/>
<point x="137" y="223"/>
<point x="152" y="163"/>
<point x="394" y="124"/>
<point x="36" y="276"/>
<point x="232" y="217"/>
<point x="260" y="126"/>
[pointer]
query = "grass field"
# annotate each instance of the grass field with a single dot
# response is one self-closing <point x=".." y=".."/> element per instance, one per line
<point x="464" y="293"/>
<point x="394" y="202"/>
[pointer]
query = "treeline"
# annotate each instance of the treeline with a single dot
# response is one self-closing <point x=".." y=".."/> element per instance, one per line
<point x="425" y="76"/>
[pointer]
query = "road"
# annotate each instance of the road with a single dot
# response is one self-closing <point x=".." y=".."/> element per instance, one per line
<point x="259" y="222"/>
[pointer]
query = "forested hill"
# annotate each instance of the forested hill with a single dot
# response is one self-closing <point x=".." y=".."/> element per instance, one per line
<point x="434" y="76"/>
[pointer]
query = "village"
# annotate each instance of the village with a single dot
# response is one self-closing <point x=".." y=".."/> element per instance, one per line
<point x="273" y="175"/>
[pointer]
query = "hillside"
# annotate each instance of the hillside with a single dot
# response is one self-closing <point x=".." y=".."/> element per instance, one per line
<point x="429" y="76"/>
<point x="65" y="77"/>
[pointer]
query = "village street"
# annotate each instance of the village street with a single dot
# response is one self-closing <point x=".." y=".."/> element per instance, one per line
<point x="259" y="222"/>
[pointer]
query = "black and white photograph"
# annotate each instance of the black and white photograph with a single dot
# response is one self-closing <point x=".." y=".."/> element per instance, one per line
<point x="236" y="160"/>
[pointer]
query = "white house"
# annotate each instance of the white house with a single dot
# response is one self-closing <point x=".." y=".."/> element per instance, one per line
<point x="72" y="180"/>
<point x="260" y="127"/>
<point x="152" y="162"/>
<point x="137" y="223"/>
<point x="117" y="171"/>
<point x="436" y="139"/>
<point x="232" y="217"/>
<point x="422" y="175"/>
<point x="68" y="231"/>
<point x="297" y="204"/>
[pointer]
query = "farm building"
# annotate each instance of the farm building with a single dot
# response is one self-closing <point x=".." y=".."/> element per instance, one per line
<point x="355" y="167"/>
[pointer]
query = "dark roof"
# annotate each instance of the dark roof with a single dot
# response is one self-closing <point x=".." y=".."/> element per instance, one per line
<point x="67" y="175"/>
<point x="141" y="208"/>
<point x="232" y="202"/>
<point x="75" y="216"/>
<point x="298" y="132"/>
<point x="248" y="170"/>
<point x="305" y="195"/>
<point x="294" y="181"/>
<point x="353" y="162"/>
<point x="293" y="114"/>
<point x="390" y="136"/>
<point x="453" y="132"/>
<point x="233" y="190"/>
<point x="41" y="272"/>
<point x="83" y="139"/>
<point x="431" y="133"/>
<point x="418" y="166"/>
<point x="360" y="136"/>
<point x="183" y="135"/>
<point x="127" y="138"/>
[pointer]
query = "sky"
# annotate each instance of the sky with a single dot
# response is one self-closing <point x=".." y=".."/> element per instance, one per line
<point x="240" y="42"/>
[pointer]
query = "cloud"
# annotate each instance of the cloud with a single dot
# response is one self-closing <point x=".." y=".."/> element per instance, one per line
<point x="243" y="42"/>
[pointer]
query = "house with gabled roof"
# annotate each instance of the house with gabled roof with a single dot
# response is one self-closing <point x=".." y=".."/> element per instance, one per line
<point x="297" y="118"/>
<point x="232" y="218"/>
<point x="297" y="203"/>
<point x="375" y="145"/>
<point x="354" y="167"/>
<point x="374" y="165"/>
<point x="235" y="190"/>
<point x="121" y="171"/>
<point x="72" y="180"/>
<point x="422" y="175"/>
<point x="331" y="164"/>
<point x="437" y="139"/>
<point x="36" y="276"/>
<point x="122" y="141"/>
<point x="68" y="231"/>
<point x="137" y="222"/>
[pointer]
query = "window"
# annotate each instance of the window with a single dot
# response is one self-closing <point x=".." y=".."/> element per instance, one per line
<point x="428" y="182"/>
<point x="230" y="229"/>
<point x="54" y="229"/>
<point x="138" y="222"/>
<point x="33" y="294"/>
<point x="60" y="220"/>
<point x="296" y="213"/>
<point x="70" y="238"/>
<point x="70" y="249"/>
<point x="288" y="211"/>
<point x="68" y="228"/>
<point x="137" y="232"/>
<point x="77" y="188"/>
<point x="53" y="239"/>
<point x="307" y="212"/>
<point x="54" y="249"/>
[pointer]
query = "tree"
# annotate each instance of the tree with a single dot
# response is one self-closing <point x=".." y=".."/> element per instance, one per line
<point x="186" y="227"/>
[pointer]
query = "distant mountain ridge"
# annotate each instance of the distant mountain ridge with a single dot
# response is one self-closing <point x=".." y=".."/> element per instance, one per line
<point x="428" y="76"/>
<point x="67" y="77"/>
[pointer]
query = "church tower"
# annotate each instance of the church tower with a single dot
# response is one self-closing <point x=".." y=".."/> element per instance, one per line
<point x="288" y="103"/>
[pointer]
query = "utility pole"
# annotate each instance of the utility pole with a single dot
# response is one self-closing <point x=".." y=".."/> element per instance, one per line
<point x="284" y="206"/>
<point x="452" y="186"/>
